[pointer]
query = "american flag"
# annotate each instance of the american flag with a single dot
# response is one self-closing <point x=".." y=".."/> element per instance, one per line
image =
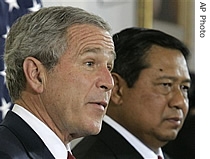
<point x="10" y="10"/>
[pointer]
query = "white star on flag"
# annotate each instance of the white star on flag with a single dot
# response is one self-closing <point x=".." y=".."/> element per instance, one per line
<point x="5" y="35"/>
<point x="12" y="4"/>
<point x="3" y="73"/>
<point x="36" y="6"/>
<point x="5" y="107"/>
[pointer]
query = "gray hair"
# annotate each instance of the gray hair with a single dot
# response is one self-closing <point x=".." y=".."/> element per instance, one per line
<point x="42" y="35"/>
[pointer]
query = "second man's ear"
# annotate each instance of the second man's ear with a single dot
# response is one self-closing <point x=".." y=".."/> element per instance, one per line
<point x="117" y="91"/>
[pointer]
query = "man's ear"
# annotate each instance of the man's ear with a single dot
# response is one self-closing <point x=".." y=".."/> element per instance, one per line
<point x="34" y="73"/>
<point x="117" y="91"/>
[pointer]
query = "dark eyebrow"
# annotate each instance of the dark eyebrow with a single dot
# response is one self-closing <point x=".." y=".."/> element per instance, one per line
<point x="95" y="50"/>
<point x="174" y="79"/>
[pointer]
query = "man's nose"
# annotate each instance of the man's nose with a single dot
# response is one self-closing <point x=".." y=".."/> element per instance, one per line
<point x="179" y="99"/>
<point x="105" y="80"/>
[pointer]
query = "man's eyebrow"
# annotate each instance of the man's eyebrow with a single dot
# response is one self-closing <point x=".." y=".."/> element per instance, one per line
<point x="188" y="80"/>
<point x="95" y="50"/>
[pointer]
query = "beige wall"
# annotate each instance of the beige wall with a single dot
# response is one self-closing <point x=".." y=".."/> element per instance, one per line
<point x="125" y="13"/>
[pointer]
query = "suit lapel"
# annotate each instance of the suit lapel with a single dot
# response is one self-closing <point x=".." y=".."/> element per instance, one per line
<point x="119" y="145"/>
<point x="32" y="143"/>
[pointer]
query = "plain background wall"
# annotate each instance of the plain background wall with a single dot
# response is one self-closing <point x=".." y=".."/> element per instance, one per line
<point x="118" y="13"/>
<point x="121" y="14"/>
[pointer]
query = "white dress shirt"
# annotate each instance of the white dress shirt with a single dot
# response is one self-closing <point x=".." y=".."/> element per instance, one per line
<point x="51" y="140"/>
<point x="135" y="142"/>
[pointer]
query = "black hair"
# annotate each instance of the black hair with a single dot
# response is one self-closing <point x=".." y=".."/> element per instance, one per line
<point x="132" y="46"/>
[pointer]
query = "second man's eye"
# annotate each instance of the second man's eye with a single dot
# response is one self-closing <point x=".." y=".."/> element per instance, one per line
<point x="167" y="84"/>
<point x="185" y="88"/>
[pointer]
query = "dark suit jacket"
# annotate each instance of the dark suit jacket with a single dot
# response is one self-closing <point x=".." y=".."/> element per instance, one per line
<point x="19" y="141"/>
<point x="108" y="144"/>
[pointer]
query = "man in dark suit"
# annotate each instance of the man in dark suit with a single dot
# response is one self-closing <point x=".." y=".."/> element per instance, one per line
<point x="58" y="63"/>
<point x="149" y="101"/>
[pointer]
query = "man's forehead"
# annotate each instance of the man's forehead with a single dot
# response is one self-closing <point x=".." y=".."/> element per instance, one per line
<point x="86" y="28"/>
<point x="97" y="50"/>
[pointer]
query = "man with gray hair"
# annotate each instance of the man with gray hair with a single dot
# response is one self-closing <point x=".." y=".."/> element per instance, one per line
<point x="58" y="63"/>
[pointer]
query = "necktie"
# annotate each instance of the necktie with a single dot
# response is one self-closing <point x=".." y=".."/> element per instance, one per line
<point x="159" y="157"/>
<point x="70" y="156"/>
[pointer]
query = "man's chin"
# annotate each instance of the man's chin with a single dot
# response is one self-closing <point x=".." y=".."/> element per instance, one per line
<point x="93" y="129"/>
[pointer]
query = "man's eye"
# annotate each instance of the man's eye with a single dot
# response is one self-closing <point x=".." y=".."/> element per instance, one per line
<point x="110" y="67"/>
<point x="164" y="88"/>
<point x="167" y="84"/>
<point x="89" y="63"/>
<point x="185" y="88"/>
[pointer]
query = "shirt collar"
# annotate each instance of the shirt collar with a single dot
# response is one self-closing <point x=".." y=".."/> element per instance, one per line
<point x="51" y="140"/>
<point x="135" y="142"/>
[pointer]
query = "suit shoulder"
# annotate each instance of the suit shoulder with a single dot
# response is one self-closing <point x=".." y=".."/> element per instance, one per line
<point x="13" y="145"/>
<point x="91" y="147"/>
